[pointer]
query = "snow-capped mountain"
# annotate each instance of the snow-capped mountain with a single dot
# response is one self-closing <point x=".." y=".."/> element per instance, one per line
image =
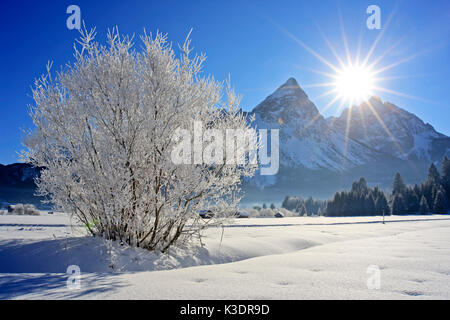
<point x="315" y="150"/>
<point x="306" y="139"/>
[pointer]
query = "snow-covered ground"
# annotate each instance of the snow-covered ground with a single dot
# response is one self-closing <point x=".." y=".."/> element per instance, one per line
<point x="258" y="258"/>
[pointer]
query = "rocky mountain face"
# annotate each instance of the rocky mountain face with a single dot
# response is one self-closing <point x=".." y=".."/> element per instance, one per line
<point x="316" y="157"/>
<point x="393" y="130"/>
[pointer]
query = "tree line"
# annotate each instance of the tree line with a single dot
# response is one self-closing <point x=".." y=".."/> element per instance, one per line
<point x="430" y="197"/>
<point x="308" y="207"/>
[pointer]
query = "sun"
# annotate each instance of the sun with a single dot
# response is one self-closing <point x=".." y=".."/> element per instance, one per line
<point x="354" y="79"/>
<point x="354" y="83"/>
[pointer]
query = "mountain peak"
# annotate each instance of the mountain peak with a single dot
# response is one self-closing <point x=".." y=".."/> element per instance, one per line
<point x="291" y="82"/>
<point x="289" y="88"/>
<point x="375" y="98"/>
<point x="288" y="103"/>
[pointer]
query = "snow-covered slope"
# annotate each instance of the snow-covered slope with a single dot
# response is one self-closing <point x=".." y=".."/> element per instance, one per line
<point x="392" y="130"/>
<point x="270" y="258"/>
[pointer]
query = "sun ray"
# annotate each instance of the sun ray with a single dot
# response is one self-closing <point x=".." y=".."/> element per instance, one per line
<point x="331" y="47"/>
<point x="397" y="63"/>
<point x="323" y="73"/>
<point x="394" y="140"/>
<point x="404" y="95"/>
<point x="363" y="120"/>
<point x="316" y="85"/>
<point x="306" y="47"/>
<point x="327" y="93"/>
<point x="387" y="51"/>
<point x="418" y="75"/>
<point x="386" y="129"/>
<point x="330" y="125"/>
<point x="347" y="132"/>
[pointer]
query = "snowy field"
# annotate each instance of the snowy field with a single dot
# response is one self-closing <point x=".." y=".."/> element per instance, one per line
<point x="258" y="258"/>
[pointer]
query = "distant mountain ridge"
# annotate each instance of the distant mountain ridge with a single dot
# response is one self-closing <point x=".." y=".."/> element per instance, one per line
<point x="18" y="174"/>
<point x="17" y="184"/>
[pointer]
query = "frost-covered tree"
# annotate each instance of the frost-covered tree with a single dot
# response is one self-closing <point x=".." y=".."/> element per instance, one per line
<point x="319" y="212"/>
<point x="302" y="211"/>
<point x="360" y="186"/>
<point x="433" y="177"/>
<point x="440" y="203"/>
<point x="104" y="136"/>
<point x="381" y="205"/>
<point x="290" y="203"/>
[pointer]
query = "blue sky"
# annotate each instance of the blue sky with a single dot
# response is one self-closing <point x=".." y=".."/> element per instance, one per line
<point x="243" y="39"/>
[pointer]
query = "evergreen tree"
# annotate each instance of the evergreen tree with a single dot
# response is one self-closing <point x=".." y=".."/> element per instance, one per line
<point x="427" y="192"/>
<point x="381" y="205"/>
<point x="424" y="208"/>
<point x="272" y="206"/>
<point x="440" y="205"/>
<point x="398" y="206"/>
<point x="330" y="209"/>
<point x="412" y="202"/>
<point x="369" y="205"/>
<point x="417" y="190"/>
<point x="264" y="206"/>
<point x="445" y="179"/>
<point x="344" y="207"/>
<point x="398" y="185"/>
